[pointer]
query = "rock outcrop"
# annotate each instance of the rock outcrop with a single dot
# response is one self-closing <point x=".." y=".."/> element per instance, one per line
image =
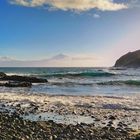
<point x="131" y="60"/>
<point x="4" y="77"/>
<point x="19" y="81"/>
<point x="16" y="84"/>
<point x="2" y="74"/>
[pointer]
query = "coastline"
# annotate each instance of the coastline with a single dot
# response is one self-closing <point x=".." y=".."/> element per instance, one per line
<point x="117" y="113"/>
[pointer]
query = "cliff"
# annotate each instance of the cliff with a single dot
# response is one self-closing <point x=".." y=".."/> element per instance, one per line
<point x="131" y="59"/>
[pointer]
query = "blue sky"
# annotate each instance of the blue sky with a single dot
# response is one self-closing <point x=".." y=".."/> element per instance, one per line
<point x="41" y="29"/>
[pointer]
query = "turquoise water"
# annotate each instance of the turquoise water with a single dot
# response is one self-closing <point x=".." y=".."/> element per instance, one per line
<point x="79" y="81"/>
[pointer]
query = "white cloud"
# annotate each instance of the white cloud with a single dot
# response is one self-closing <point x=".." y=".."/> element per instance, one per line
<point x="5" y="58"/>
<point x="74" y="5"/>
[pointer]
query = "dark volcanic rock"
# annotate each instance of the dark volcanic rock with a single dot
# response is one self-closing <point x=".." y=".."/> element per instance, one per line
<point x="22" y="78"/>
<point x="13" y="127"/>
<point x="112" y="117"/>
<point x="131" y="59"/>
<point x="2" y="74"/>
<point x="137" y="137"/>
<point x="18" y="84"/>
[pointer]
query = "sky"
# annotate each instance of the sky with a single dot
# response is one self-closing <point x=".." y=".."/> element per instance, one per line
<point x="67" y="32"/>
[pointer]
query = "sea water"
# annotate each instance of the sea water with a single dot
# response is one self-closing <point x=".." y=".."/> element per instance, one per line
<point x="79" y="81"/>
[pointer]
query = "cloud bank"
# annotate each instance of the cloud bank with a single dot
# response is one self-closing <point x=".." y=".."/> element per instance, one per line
<point x="60" y="60"/>
<point x="73" y="5"/>
<point x="5" y="58"/>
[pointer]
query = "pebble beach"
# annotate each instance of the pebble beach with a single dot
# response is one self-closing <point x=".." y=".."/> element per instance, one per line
<point x="25" y="116"/>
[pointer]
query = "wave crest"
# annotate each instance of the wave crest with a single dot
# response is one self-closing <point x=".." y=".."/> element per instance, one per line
<point x="127" y="82"/>
<point x="80" y="74"/>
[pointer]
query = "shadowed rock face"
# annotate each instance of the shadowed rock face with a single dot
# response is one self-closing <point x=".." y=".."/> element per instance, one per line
<point x="20" y="80"/>
<point x="16" y="84"/>
<point x="131" y="59"/>
<point x="24" y="79"/>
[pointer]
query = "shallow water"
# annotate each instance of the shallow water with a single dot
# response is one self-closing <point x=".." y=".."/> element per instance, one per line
<point x="66" y="119"/>
<point x="76" y="119"/>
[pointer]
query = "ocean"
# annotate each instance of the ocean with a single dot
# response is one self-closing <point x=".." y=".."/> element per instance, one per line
<point x="79" y="81"/>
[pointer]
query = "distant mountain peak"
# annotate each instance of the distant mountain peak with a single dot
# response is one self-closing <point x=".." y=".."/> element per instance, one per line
<point x="60" y="56"/>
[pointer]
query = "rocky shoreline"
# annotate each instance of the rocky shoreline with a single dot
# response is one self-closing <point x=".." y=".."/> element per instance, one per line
<point x="108" y="118"/>
<point x="57" y="117"/>
<point x="13" y="127"/>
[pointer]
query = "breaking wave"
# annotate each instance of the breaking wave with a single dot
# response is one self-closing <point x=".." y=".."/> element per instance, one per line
<point x="127" y="82"/>
<point x="80" y="74"/>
